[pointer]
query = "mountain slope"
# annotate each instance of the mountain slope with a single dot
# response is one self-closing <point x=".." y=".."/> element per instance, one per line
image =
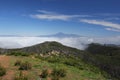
<point x="76" y="68"/>
<point x="47" y="47"/>
<point x="106" y="57"/>
<point x="38" y="65"/>
<point x="103" y="56"/>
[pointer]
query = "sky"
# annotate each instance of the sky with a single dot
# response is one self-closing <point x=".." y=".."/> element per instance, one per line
<point x="98" y="18"/>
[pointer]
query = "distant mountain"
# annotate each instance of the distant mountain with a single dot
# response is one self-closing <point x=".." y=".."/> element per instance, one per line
<point x="10" y="36"/>
<point x="61" y="35"/>
<point x="58" y="35"/>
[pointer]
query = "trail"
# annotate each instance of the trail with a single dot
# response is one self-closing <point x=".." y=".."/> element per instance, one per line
<point x="5" y="62"/>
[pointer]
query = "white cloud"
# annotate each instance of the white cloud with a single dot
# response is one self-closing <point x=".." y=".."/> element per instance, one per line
<point x="111" y="29"/>
<point x="52" y="17"/>
<point x="46" y="12"/>
<point x="107" y="24"/>
<point x="19" y="42"/>
<point x="48" y="15"/>
<point x="78" y="42"/>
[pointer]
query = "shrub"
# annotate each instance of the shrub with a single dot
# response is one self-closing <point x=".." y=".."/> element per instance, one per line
<point x="21" y="77"/>
<point x="18" y="53"/>
<point x="75" y="63"/>
<point x="55" y="78"/>
<point x="17" y="63"/>
<point x="25" y="66"/>
<point x="44" y="73"/>
<point x="62" y="72"/>
<point x="53" y="60"/>
<point x="58" y="73"/>
<point x="2" y="71"/>
<point x="71" y="62"/>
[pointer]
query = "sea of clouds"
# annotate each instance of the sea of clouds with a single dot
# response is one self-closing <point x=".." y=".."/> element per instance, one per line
<point x="77" y="42"/>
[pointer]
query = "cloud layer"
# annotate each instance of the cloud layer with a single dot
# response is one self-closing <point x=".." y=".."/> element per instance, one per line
<point x="78" y="42"/>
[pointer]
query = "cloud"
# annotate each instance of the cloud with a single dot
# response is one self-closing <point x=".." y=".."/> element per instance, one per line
<point x="52" y="17"/>
<point x="19" y="42"/>
<point x="45" y="12"/>
<point x="109" y="25"/>
<point x="78" y="42"/>
<point x="48" y="15"/>
<point x="111" y="29"/>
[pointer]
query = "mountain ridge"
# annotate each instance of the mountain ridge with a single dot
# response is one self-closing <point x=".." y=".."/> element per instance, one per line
<point x="58" y="35"/>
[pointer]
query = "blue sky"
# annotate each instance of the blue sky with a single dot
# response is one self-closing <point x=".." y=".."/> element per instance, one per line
<point x="37" y="17"/>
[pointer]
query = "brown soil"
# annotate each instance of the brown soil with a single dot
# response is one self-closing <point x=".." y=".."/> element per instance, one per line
<point x="5" y="62"/>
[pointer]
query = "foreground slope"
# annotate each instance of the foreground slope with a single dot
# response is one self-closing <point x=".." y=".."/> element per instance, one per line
<point x="38" y="64"/>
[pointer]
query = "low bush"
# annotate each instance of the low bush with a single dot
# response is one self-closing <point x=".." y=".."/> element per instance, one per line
<point x="17" y="63"/>
<point x="58" y="73"/>
<point x="17" y="53"/>
<point x="44" y="73"/>
<point x="2" y="71"/>
<point x="55" y="78"/>
<point x="53" y="60"/>
<point x="21" y="77"/>
<point x="25" y="66"/>
<point x="75" y="63"/>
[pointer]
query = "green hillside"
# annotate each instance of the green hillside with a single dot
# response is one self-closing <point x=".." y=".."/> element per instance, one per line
<point x="106" y="57"/>
<point x="97" y="62"/>
<point x="73" y="70"/>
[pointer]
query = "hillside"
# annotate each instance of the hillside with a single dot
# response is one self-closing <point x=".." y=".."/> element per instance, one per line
<point x="38" y="64"/>
<point x="105" y="57"/>
<point x="45" y="48"/>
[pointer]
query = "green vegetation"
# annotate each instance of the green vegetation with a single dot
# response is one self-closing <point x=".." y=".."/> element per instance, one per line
<point x="25" y="66"/>
<point x="52" y="60"/>
<point x="58" y="73"/>
<point x="54" y="74"/>
<point x="106" y="57"/>
<point x="42" y="68"/>
<point x="44" y="73"/>
<point x="21" y="77"/>
<point x="18" y="63"/>
<point x="2" y="71"/>
<point x="18" y="53"/>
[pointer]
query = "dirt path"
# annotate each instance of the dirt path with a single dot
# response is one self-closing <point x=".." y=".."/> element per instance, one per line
<point x="5" y="62"/>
